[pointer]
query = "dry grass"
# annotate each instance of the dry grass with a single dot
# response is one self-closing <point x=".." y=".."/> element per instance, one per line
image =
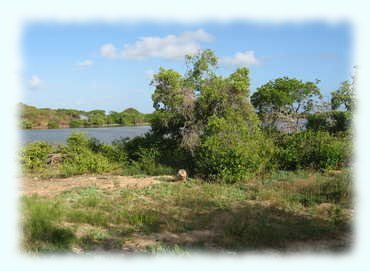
<point x="302" y="211"/>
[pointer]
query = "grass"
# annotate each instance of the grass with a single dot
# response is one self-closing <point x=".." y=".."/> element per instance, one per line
<point x="273" y="213"/>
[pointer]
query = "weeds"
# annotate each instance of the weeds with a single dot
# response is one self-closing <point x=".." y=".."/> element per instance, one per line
<point x="41" y="229"/>
<point x="255" y="214"/>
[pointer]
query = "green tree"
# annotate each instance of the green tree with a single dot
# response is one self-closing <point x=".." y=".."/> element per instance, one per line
<point x="343" y="96"/>
<point x="131" y="116"/>
<point x="285" y="98"/>
<point x="96" y="117"/>
<point x="232" y="150"/>
<point x="188" y="108"/>
<point x="75" y="123"/>
<point x="53" y="124"/>
<point x="115" y="117"/>
<point x="26" y="124"/>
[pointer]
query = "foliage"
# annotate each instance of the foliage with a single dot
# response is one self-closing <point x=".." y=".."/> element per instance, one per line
<point x="34" y="155"/>
<point x="33" y="117"/>
<point x="343" y="97"/>
<point x="96" y="118"/>
<point x="114" y="152"/>
<point x="53" y="124"/>
<point x="232" y="151"/>
<point x="26" y="124"/>
<point x="80" y="159"/>
<point x="332" y="121"/>
<point x="206" y="124"/>
<point x="151" y="155"/>
<point x="147" y="163"/>
<point x="309" y="149"/>
<point x="284" y="97"/>
<point x="76" y="123"/>
<point x="189" y="107"/>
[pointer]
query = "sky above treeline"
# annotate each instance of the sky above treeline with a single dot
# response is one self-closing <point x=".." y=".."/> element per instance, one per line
<point x="110" y="65"/>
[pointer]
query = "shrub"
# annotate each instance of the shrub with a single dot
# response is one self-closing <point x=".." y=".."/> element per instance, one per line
<point x="77" y="140"/>
<point x="75" y="123"/>
<point x="80" y="159"/>
<point x="333" y="122"/>
<point x="308" y="149"/>
<point x="26" y="124"/>
<point x="161" y="155"/>
<point x="34" y="155"/>
<point x="53" y="124"/>
<point x="147" y="163"/>
<point x="231" y="151"/>
<point x="114" y="152"/>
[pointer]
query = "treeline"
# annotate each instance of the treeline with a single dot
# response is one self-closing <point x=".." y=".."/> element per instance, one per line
<point x="46" y="118"/>
<point x="211" y="126"/>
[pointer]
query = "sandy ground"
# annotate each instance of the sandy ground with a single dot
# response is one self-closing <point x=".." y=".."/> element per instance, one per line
<point x="53" y="186"/>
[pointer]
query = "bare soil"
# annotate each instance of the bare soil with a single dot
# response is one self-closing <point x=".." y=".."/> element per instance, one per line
<point x="54" y="186"/>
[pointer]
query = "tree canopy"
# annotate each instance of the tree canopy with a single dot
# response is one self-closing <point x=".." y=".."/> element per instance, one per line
<point x="343" y="96"/>
<point x="285" y="97"/>
<point x="209" y="116"/>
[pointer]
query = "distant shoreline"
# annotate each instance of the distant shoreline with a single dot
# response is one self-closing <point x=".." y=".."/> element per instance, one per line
<point x="103" y="126"/>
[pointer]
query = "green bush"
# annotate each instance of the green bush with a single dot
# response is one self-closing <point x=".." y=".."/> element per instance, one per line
<point x="309" y="149"/>
<point x="114" y="152"/>
<point x="231" y="151"/>
<point x="53" y="124"/>
<point x="26" y="124"/>
<point x="156" y="152"/>
<point x="77" y="141"/>
<point x="333" y="121"/>
<point x="75" y="123"/>
<point x="34" y="155"/>
<point x="147" y="163"/>
<point x="80" y="159"/>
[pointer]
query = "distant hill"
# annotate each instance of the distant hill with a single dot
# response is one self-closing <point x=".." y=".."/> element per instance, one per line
<point x="46" y="118"/>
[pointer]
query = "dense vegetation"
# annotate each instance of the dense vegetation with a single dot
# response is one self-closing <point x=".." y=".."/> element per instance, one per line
<point x="232" y="144"/>
<point x="208" y="125"/>
<point x="46" y="118"/>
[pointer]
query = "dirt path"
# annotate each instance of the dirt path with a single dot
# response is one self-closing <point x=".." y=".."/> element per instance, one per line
<point x="54" y="186"/>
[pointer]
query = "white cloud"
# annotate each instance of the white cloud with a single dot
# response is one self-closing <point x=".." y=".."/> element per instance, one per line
<point x="35" y="82"/>
<point x="85" y="64"/>
<point x="169" y="47"/>
<point x="246" y="58"/>
<point x="109" y="51"/>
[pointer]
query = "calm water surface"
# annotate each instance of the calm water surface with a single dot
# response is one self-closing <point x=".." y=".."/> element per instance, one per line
<point x="107" y="135"/>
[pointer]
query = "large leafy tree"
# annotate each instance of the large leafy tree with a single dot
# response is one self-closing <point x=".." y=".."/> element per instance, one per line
<point x="285" y="98"/>
<point x="184" y="103"/>
<point x="204" y="114"/>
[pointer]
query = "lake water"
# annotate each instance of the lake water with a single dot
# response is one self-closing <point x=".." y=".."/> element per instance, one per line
<point x="107" y="134"/>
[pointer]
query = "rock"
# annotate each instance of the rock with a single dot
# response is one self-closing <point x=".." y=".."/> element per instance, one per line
<point x="182" y="175"/>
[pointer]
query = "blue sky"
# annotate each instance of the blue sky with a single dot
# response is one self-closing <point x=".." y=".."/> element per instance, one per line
<point x="108" y="66"/>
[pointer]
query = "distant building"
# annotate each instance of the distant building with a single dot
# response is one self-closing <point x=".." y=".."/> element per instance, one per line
<point x="83" y="117"/>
